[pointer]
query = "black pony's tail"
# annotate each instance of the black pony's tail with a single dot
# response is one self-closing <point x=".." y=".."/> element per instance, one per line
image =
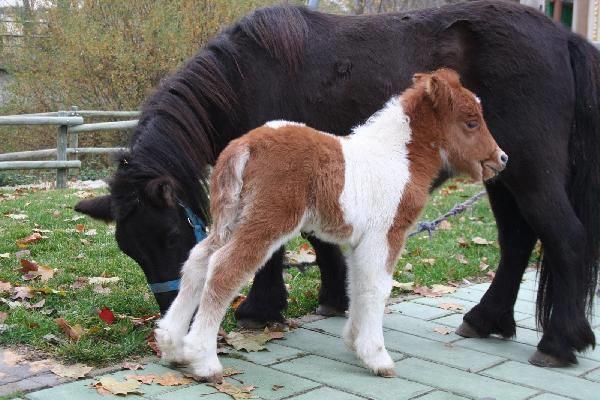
<point x="584" y="182"/>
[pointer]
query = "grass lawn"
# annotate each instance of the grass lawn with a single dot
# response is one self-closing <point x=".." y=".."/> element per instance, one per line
<point x="85" y="248"/>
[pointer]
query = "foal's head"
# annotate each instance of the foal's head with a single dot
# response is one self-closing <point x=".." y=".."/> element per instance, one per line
<point x="466" y="144"/>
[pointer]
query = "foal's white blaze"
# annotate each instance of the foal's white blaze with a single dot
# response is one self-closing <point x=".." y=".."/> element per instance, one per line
<point x="280" y="123"/>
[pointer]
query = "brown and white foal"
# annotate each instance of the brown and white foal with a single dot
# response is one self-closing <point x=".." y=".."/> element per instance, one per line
<point x="365" y="190"/>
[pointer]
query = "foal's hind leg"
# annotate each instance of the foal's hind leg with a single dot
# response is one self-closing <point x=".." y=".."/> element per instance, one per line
<point x="229" y="268"/>
<point x="175" y="324"/>
<point x="332" y="295"/>
<point x="494" y="313"/>
<point x="370" y="286"/>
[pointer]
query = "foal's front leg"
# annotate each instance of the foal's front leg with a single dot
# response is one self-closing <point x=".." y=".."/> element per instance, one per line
<point x="370" y="286"/>
<point x="175" y="324"/>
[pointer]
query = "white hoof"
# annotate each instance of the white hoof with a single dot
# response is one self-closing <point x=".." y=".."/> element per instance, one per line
<point x="377" y="360"/>
<point x="204" y="363"/>
<point x="170" y="345"/>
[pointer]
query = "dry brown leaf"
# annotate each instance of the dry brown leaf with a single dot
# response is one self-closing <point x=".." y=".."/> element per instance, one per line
<point x="231" y="371"/>
<point x="462" y="242"/>
<point x="443" y="330"/>
<point x="239" y="299"/>
<point x="277" y="387"/>
<point x="445" y="225"/>
<point x="430" y="261"/>
<point x="404" y="286"/>
<point x="145" y="379"/>
<point x="151" y="340"/>
<point x="483" y="266"/>
<point x="79" y="228"/>
<point x="101" y="280"/>
<point x="73" y="332"/>
<point x="461" y="259"/>
<point x="302" y="256"/>
<point x="251" y="341"/>
<point x="22" y="293"/>
<point x="434" y="291"/>
<point x="79" y="283"/>
<point x="113" y="386"/>
<point x="3" y="316"/>
<point x="237" y="392"/>
<point x="5" y="287"/>
<point x="39" y="304"/>
<point x="172" y="379"/>
<point x="74" y="371"/>
<point x="101" y="289"/>
<point x="34" y="237"/>
<point x="451" y="306"/>
<point x="481" y="241"/>
<point x="132" y="366"/>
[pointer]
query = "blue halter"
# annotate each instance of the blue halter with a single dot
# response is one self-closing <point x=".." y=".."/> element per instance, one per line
<point x="200" y="233"/>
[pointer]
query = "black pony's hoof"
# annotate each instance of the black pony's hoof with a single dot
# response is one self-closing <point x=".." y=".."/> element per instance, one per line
<point x="547" y="361"/>
<point x="247" y="323"/>
<point x="467" y="331"/>
<point x="329" y="311"/>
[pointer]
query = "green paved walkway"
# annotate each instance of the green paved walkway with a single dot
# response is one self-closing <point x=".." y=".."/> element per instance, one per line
<point x="313" y="364"/>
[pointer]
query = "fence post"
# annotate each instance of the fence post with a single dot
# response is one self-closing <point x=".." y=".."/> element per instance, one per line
<point x="61" y="152"/>
<point x="73" y="137"/>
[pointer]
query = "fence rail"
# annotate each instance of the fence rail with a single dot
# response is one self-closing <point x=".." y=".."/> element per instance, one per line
<point x="69" y="125"/>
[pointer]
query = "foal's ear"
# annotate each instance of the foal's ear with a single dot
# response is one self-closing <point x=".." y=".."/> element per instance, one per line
<point x="440" y="92"/>
<point x="161" y="192"/>
<point x="97" y="208"/>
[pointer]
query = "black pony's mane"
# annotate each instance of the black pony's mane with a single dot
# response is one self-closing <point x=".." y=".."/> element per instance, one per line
<point x="180" y="131"/>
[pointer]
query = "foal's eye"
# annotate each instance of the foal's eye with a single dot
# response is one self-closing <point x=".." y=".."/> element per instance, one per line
<point x="472" y="124"/>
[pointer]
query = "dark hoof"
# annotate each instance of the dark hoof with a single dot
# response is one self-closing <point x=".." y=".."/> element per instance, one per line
<point x="547" y="361"/>
<point x="466" y="330"/>
<point x="329" y="311"/>
<point x="246" y="323"/>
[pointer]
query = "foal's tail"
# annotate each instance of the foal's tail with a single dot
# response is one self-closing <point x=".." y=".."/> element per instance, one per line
<point x="584" y="153"/>
<point x="226" y="187"/>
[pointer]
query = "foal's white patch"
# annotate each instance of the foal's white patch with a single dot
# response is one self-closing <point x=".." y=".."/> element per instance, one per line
<point x="280" y="123"/>
<point x="376" y="170"/>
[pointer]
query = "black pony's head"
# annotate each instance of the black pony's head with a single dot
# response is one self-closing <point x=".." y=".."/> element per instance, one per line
<point x="151" y="225"/>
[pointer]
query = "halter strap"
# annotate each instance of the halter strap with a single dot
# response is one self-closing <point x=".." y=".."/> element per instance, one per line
<point x="199" y="232"/>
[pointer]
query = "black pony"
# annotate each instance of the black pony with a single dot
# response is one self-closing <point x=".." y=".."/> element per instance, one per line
<point x="537" y="81"/>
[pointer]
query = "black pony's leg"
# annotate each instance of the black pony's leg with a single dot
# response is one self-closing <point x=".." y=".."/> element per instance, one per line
<point x="332" y="296"/>
<point x="494" y="313"/>
<point x="267" y="297"/>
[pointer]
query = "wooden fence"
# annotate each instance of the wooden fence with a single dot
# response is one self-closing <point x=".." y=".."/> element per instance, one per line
<point x="69" y="125"/>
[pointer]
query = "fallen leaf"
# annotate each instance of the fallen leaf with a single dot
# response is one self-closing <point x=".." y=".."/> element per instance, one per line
<point x="27" y="266"/>
<point x="73" y="332"/>
<point x="17" y="216"/>
<point x="39" y="304"/>
<point x="461" y="259"/>
<point x="74" y="218"/>
<point x="462" y="242"/>
<point x="302" y="256"/>
<point x="101" y="289"/>
<point x="172" y="379"/>
<point x="84" y="194"/>
<point x="112" y="386"/>
<point x="151" y="340"/>
<point x="277" y="387"/>
<point x="101" y="280"/>
<point x="251" y="341"/>
<point x="483" y="266"/>
<point x="34" y="237"/>
<point x="5" y="287"/>
<point x="145" y="379"/>
<point x="237" y="392"/>
<point x="408" y="267"/>
<point x="230" y="371"/>
<point x="451" y="306"/>
<point x="22" y="293"/>
<point x="22" y="254"/>
<point x="74" y="371"/>
<point x="443" y="289"/>
<point x="11" y="358"/>
<point x="404" y="286"/>
<point x="107" y="316"/>
<point x="443" y="330"/>
<point x="79" y="283"/>
<point x="434" y="291"/>
<point x="138" y="321"/>
<point x="3" y="316"/>
<point x="4" y="255"/>
<point x="132" y="366"/>
<point x="445" y="225"/>
<point x="79" y="228"/>
<point x="430" y="261"/>
<point x="481" y="241"/>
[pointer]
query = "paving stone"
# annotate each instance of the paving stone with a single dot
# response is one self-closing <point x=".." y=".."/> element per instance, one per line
<point x="81" y="390"/>
<point x="453" y="320"/>
<point x="416" y="310"/>
<point x="520" y="352"/>
<point x="276" y="353"/>
<point x="460" y="382"/>
<point x="333" y="325"/>
<point x="445" y="353"/>
<point x="482" y="287"/>
<point x="325" y="346"/>
<point x="545" y="379"/>
<point x="469" y="294"/>
<point x="352" y="379"/>
<point x="264" y="378"/>
<point x="194" y="392"/>
<point x="467" y="304"/>
<point x="49" y="379"/>
<point x="415" y="326"/>
<point x="528" y="323"/>
<point x="19" y="386"/>
<point x="594" y="375"/>
<point x="548" y="396"/>
<point x="437" y="395"/>
<point x="7" y="378"/>
<point x="326" y="393"/>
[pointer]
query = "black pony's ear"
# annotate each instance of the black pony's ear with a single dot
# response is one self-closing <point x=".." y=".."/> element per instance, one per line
<point x="455" y="46"/>
<point x="97" y="208"/>
<point x="161" y="192"/>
